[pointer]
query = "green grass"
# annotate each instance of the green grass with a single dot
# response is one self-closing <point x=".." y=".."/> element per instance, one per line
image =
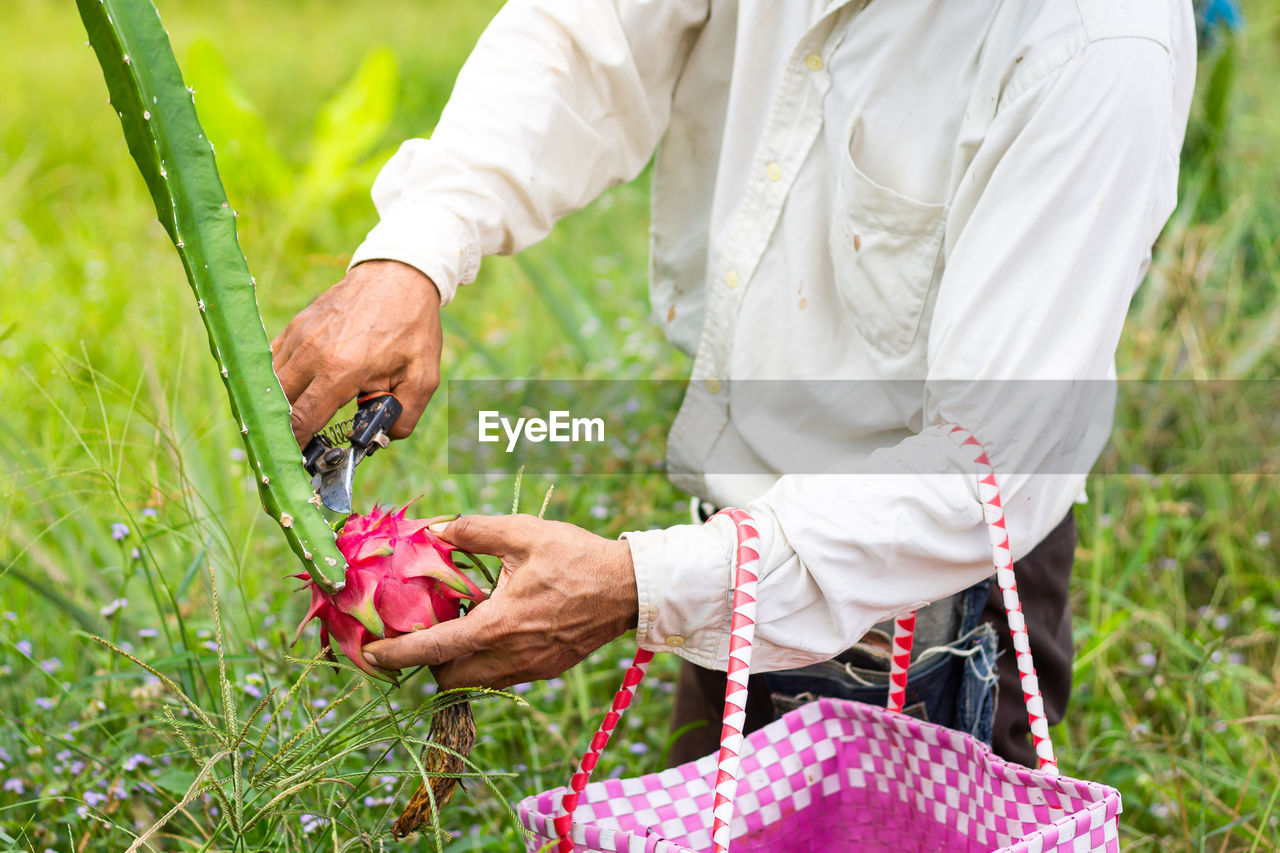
<point x="114" y="415"/>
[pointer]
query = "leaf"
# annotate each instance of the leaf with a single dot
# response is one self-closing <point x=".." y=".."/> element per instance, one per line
<point x="233" y="123"/>
<point x="158" y="117"/>
<point x="352" y="122"/>
<point x="174" y="780"/>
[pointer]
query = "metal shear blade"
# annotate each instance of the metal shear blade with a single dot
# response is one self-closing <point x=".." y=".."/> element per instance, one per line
<point x="333" y="465"/>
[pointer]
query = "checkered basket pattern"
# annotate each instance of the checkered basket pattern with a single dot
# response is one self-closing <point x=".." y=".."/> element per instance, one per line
<point x="835" y="775"/>
<point x="849" y="778"/>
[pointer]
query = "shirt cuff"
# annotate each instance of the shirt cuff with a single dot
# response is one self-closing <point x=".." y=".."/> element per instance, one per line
<point x="431" y="239"/>
<point x="684" y="584"/>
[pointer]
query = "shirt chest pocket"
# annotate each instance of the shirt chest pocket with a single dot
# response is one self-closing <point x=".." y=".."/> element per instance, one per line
<point x="885" y="250"/>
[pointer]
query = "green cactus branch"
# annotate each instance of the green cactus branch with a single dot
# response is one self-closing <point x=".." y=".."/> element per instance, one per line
<point x="157" y="112"/>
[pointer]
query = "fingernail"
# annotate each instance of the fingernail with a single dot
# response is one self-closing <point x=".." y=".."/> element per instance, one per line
<point x="371" y="658"/>
<point x="439" y="527"/>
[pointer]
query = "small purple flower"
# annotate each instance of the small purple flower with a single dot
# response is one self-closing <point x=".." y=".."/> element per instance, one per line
<point x="148" y="633"/>
<point x="23" y="646"/>
<point x="119" y="531"/>
<point x="521" y="688"/>
<point x="113" y="607"/>
<point x="310" y="823"/>
<point x="15" y="786"/>
<point x="93" y="798"/>
<point x="76" y="767"/>
<point x="51" y="665"/>
<point x="44" y="702"/>
<point x="148" y="512"/>
<point x="11" y="616"/>
<point x="134" y="761"/>
<point x="252" y="690"/>
<point x="638" y="748"/>
<point x="135" y="554"/>
<point x="320" y="702"/>
<point x="210" y="645"/>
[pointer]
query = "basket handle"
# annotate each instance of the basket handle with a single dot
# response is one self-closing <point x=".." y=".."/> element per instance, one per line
<point x="1002" y="557"/>
<point x="742" y="631"/>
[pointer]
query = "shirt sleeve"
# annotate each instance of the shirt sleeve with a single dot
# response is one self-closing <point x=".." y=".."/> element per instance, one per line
<point x="559" y="100"/>
<point x="1047" y="238"/>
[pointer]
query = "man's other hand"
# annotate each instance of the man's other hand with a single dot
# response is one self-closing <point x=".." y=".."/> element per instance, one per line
<point x="376" y="330"/>
<point x="562" y="594"/>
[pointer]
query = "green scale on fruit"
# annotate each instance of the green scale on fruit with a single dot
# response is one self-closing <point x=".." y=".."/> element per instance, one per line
<point x="157" y="112"/>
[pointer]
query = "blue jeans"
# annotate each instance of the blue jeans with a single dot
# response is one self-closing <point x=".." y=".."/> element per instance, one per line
<point x="953" y="685"/>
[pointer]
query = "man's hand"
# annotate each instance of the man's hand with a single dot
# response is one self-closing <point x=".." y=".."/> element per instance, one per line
<point x="563" y="593"/>
<point x="376" y="330"/>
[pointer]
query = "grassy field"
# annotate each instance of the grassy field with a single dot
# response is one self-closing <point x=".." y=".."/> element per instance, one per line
<point x="124" y="494"/>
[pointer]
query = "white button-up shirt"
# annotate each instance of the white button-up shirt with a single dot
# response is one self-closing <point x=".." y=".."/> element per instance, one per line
<point x="907" y="191"/>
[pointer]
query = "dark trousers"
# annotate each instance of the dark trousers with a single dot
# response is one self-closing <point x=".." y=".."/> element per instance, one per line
<point x="1042" y="576"/>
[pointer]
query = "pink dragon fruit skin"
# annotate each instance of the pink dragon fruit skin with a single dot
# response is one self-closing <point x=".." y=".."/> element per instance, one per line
<point x="400" y="578"/>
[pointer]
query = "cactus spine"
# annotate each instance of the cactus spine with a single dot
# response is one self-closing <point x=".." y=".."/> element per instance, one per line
<point x="157" y="112"/>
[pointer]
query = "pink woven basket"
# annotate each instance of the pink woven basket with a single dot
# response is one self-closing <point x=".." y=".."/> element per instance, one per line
<point x="835" y="775"/>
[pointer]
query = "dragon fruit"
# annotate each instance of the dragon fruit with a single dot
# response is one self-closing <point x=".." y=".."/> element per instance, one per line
<point x="400" y="578"/>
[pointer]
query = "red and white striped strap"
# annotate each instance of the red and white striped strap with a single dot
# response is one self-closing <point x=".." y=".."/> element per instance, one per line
<point x="621" y="701"/>
<point x="742" y="631"/>
<point x="1002" y="557"/>
<point x="904" y="633"/>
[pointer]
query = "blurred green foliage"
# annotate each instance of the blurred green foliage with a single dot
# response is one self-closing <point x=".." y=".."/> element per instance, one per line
<point x="114" y="416"/>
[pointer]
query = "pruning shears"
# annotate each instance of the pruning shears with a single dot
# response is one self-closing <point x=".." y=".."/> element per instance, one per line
<point x="333" y="453"/>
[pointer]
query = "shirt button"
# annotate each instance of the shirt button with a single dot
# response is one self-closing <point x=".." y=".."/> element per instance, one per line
<point x="814" y="62"/>
<point x="773" y="172"/>
<point x="731" y="279"/>
<point x="713" y="385"/>
<point x="675" y="641"/>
